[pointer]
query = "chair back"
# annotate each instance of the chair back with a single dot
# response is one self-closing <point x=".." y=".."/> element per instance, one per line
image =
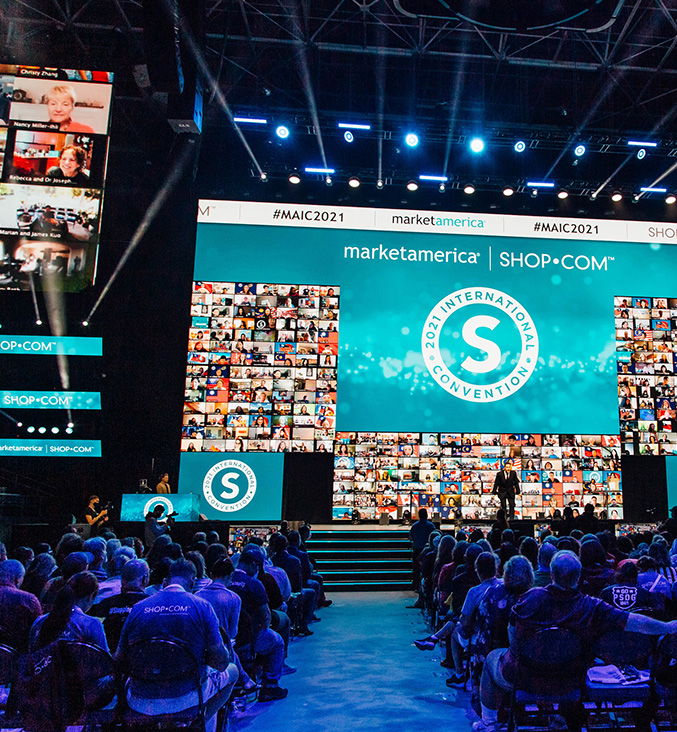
<point x="160" y="660"/>
<point x="551" y="661"/>
<point x="665" y="661"/>
<point x="88" y="664"/>
<point x="8" y="658"/>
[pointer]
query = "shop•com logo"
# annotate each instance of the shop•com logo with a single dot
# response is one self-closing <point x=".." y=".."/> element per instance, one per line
<point x="229" y="485"/>
<point x="454" y="384"/>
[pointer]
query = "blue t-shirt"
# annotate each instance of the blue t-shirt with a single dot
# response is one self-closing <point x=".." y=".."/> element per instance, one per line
<point x="175" y="614"/>
<point x="251" y="591"/>
<point x="226" y="604"/>
<point x="419" y="533"/>
<point x="80" y="627"/>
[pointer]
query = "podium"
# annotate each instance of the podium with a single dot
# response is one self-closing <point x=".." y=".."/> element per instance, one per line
<point x="135" y="506"/>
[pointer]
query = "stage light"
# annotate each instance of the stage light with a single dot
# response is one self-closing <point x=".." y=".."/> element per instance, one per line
<point x="328" y="180"/>
<point x="263" y="177"/>
<point x="563" y="194"/>
<point x="616" y="196"/>
<point x="534" y="192"/>
<point x="469" y="189"/>
<point x="69" y="430"/>
<point x="326" y="171"/>
<point x="435" y="178"/>
<point x="30" y="429"/>
<point x="85" y="323"/>
<point x="508" y="191"/>
<point x="55" y="430"/>
<point x="520" y="146"/>
<point x="353" y="126"/>
<point x="42" y="430"/>
<point x="354" y="182"/>
<point x="593" y="196"/>
<point x="250" y="120"/>
<point x="294" y="179"/>
<point x="71" y="425"/>
<point x="651" y="189"/>
<point x="282" y="132"/>
<point x="442" y="188"/>
<point x="411" y="139"/>
<point x="19" y="424"/>
<point x="579" y="151"/>
<point x="38" y="322"/>
<point x="348" y="136"/>
<point x="641" y="154"/>
<point x="477" y="144"/>
<point x="379" y="184"/>
<point x="412" y="185"/>
<point x="670" y="199"/>
<point x="640" y="143"/>
<point x="540" y="184"/>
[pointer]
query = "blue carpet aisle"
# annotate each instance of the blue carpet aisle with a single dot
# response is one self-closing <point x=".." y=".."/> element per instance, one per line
<point x="360" y="671"/>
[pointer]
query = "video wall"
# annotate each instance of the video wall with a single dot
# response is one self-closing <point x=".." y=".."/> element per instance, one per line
<point x="54" y="126"/>
<point x="464" y="339"/>
<point x="646" y="335"/>
<point x="453" y="474"/>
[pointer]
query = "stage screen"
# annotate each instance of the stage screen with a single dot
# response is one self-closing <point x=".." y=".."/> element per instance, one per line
<point x="54" y="126"/>
<point x="442" y="323"/>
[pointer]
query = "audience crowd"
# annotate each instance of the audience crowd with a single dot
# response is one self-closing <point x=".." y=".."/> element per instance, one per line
<point x="236" y="613"/>
<point x="486" y="596"/>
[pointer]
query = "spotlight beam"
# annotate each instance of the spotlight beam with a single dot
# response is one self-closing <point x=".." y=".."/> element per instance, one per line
<point x="35" y="299"/>
<point x="56" y="314"/>
<point x="158" y="202"/>
<point x="659" y="179"/>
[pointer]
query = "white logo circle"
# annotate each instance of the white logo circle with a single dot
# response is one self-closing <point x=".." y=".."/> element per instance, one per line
<point x="430" y="344"/>
<point x="227" y="487"/>
<point x="169" y="506"/>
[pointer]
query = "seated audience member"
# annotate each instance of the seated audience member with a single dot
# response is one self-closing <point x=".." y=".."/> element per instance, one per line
<point x="158" y="575"/>
<point x="73" y="563"/>
<point x="660" y="553"/>
<point x="587" y="522"/>
<point x="96" y="546"/>
<point x="213" y="538"/>
<point x="115" y="609"/>
<point x="542" y="573"/>
<point x="465" y="578"/>
<point x="293" y="544"/>
<point x="670" y="524"/>
<point x="68" y="544"/>
<point x="561" y="605"/>
<point x="266" y="642"/>
<point x="596" y="573"/>
<point x="651" y="580"/>
<point x="448" y="571"/>
<point x="529" y="549"/>
<point x="18" y="609"/>
<point x="281" y="558"/>
<point x="201" y="579"/>
<point x="113" y="584"/>
<point x="493" y="611"/>
<point x="38" y="573"/>
<point x="24" y="554"/>
<point x="213" y="554"/>
<point x="626" y="595"/>
<point x="304" y="533"/>
<point x="176" y="614"/>
<point x="67" y="619"/>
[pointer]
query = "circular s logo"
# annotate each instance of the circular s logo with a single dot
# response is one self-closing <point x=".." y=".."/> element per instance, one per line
<point x="229" y="485"/>
<point x="169" y="506"/>
<point x="478" y="369"/>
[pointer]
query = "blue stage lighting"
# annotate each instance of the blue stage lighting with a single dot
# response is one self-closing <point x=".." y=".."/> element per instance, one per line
<point x="639" y="143"/>
<point x="579" y="150"/>
<point x="326" y="171"/>
<point x="520" y="146"/>
<point x="353" y="126"/>
<point x="477" y="144"/>
<point x="652" y="189"/>
<point x="434" y="178"/>
<point x="641" y="153"/>
<point x="411" y="139"/>
<point x="250" y="120"/>
<point x="348" y="136"/>
<point x="540" y="184"/>
<point x="282" y="132"/>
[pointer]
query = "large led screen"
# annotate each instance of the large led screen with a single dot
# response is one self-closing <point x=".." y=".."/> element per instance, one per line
<point x="480" y="326"/>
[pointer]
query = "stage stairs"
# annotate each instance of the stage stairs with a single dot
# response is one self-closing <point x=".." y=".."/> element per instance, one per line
<point x="364" y="559"/>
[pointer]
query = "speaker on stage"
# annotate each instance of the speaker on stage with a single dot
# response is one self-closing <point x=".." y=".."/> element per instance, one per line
<point x="384" y="519"/>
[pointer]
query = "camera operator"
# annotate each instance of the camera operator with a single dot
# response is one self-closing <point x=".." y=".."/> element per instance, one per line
<point x="156" y="526"/>
<point x="93" y="516"/>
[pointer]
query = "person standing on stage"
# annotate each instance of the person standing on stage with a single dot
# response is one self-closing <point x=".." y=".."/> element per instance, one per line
<point x="163" y="485"/>
<point x="93" y="516"/>
<point x="507" y="486"/>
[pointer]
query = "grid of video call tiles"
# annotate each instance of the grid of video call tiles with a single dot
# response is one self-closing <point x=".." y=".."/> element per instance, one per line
<point x="454" y="473"/>
<point x="646" y="344"/>
<point x="261" y="373"/>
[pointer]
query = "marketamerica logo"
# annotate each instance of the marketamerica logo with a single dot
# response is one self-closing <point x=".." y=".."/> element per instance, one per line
<point x="169" y="506"/>
<point x="500" y="388"/>
<point x="229" y="485"/>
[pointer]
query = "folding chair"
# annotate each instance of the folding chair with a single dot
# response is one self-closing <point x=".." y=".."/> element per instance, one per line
<point x="664" y="680"/>
<point x="550" y="677"/>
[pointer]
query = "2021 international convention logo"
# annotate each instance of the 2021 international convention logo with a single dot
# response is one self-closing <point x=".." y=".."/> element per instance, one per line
<point x="229" y="485"/>
<point x="492" y="380"/>
<point x="154" y="501"/>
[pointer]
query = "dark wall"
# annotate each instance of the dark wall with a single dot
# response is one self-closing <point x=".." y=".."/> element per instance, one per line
<point x="645" y="496"/>
<point x="307" y="487"/>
